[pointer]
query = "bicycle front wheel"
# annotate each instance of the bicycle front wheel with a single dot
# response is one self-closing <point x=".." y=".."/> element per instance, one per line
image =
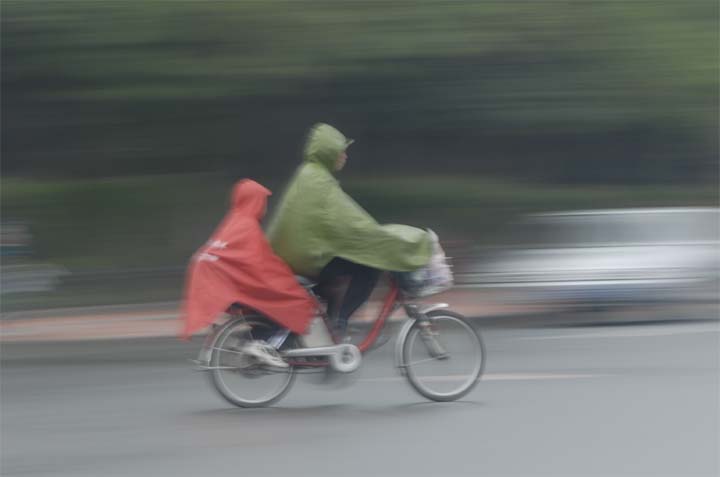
<point x="443" y="357"/>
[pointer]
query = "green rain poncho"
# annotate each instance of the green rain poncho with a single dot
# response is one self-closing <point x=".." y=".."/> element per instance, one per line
<point x="316" y="221"/>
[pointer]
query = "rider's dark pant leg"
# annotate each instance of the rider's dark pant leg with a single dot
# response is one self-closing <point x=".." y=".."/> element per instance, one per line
<point x="362" y="282"/>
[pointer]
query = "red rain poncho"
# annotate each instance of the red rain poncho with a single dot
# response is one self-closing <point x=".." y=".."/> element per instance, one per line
<point x="237" y="265"/>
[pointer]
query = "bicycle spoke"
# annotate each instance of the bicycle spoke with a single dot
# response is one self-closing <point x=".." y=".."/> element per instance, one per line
<point x="238" y="378"/>
<point x="228" y="350"/>
<point x="423" y="361"/>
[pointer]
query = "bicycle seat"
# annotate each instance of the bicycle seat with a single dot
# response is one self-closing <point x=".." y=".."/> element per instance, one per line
<point x="305" y="282"/>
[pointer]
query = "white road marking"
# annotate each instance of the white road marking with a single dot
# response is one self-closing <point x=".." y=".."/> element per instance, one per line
<point x="492" y="377"/>
<point x="632" y="332"/>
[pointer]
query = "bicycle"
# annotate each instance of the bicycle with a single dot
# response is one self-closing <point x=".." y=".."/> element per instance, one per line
<point x="426" y="349"/>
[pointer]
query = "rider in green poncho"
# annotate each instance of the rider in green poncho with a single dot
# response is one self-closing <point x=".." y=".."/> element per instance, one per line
<point x="322" y="233"/>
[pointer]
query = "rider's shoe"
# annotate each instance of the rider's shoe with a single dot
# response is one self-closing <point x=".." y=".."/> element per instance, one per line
<point x="341" y="334"/>
<point x="264" y="353"/>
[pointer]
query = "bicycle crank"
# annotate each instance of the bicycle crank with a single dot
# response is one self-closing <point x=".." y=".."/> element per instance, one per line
<point x="344" y="358"/>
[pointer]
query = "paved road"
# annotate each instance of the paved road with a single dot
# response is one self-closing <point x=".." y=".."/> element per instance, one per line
<point x="625" y="400"/>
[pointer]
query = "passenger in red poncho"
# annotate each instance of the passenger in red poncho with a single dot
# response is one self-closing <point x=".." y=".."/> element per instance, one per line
<point x="237" y="265"/>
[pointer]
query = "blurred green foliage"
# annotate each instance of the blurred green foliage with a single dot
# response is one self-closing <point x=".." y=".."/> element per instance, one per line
<point x="563" y="91"/>
<point x="152" y="221"/>
<point x="127" y="239"/>
<point x="120" y="223"/>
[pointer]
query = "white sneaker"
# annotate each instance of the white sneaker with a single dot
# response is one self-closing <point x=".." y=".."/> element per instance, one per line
<point x="264" y="353"/>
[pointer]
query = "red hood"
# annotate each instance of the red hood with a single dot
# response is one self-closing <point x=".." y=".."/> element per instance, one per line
<point x="250" y="199"/>
<point x="237" y="265"/>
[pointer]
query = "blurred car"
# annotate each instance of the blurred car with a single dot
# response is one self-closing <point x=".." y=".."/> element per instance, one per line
<point x="608" y="257"/>
<point x="15" y="240"/>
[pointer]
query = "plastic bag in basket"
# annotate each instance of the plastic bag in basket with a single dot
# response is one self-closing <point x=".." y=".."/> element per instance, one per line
<point x="435" y="277"/>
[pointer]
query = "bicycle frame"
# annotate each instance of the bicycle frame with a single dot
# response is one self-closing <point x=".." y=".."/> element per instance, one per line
<point x="390" y="304"/>
<point x="392" y="301"/>
<point x="345" y="357"/>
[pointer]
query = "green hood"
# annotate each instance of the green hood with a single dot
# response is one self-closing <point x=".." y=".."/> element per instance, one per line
<point x="323" y="146"/>
<point x="317" y="221"/>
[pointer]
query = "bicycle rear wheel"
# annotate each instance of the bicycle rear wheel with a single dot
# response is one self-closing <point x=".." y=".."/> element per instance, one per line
<point x="443" y="357"/>
<point x="237" y="377"/>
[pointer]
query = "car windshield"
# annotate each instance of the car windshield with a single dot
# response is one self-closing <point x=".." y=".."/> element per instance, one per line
<point x="617" y="228"/>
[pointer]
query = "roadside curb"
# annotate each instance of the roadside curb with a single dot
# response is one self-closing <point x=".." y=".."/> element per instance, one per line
<point x="157" y="320"/>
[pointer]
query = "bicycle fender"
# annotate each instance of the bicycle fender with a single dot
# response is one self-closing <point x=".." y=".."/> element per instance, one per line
<point x="399" y="344"/>
<point x="406" y="329"/>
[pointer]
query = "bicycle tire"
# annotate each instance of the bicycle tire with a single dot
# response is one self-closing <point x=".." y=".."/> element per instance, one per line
<point x="473" y="378"/>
